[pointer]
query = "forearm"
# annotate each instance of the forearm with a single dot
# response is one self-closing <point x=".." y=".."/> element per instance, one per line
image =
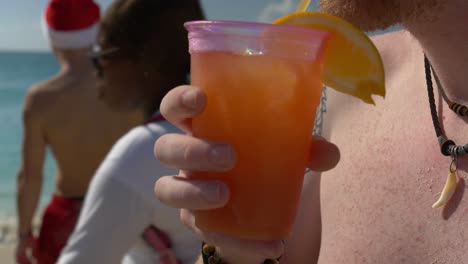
<point x="29" y="179"/>
<point x="28" y="193"/>
<point x="304" y="243"/>
<point x="200" y="260"/>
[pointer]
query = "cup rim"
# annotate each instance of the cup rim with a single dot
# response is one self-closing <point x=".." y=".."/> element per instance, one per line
<point x="250" y="25"/>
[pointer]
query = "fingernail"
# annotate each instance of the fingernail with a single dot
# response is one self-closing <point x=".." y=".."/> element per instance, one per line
<point x="190" y="99"/>
<point x="215" y="193"/>
<point x="223" y="156"/>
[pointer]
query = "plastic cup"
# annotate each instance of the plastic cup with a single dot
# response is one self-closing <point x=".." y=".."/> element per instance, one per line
<point x="263" y="86"/>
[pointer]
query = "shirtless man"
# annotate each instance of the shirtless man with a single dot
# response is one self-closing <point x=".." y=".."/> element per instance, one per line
<point x="64" y="113"/>
<point x="375" y="205"/>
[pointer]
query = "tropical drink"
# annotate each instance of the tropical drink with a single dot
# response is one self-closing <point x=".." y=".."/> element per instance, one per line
<point x="263" y="86"/>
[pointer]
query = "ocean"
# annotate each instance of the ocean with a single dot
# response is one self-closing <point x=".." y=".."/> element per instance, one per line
<point x="18" y="71"/>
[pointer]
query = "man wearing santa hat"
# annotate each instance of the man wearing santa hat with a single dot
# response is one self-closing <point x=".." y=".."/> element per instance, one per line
<point x="64" y="113"/>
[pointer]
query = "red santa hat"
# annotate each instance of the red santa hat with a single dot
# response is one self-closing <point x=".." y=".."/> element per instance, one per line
<point x="71" y="24"/>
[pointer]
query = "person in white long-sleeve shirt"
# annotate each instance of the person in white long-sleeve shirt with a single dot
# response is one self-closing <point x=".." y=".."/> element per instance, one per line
<point x="120" y="205"/>
<point x="142" y="53"/>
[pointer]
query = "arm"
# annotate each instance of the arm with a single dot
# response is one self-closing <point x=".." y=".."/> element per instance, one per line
<point x="29" y="179"/>
<point x="304" y="243"/>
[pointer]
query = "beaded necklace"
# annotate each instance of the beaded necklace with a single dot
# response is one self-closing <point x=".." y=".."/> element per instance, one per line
<point x="447" y="146"/>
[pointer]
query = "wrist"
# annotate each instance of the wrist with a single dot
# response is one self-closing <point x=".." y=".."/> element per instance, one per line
<point x="209" y="256"/>
<point x="24" y="235"/>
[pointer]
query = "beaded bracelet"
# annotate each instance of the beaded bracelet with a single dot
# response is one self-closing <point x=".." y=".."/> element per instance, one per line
<point x="210" y="257"/>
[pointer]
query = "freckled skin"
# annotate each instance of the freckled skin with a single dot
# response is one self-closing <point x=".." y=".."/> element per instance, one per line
<point x="376" y="205"/>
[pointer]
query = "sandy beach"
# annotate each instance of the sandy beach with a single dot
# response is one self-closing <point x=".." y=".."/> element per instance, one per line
<point x="6" y="254"/>
<point x="8" y="239"/>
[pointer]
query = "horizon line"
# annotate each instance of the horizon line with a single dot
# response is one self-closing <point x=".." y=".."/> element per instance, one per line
<point x="6" y="50"/>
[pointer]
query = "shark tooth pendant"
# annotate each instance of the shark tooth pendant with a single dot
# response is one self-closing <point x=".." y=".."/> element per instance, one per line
<point x="449" y="187"/>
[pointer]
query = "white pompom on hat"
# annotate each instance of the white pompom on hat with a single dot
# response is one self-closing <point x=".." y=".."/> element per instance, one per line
<point x="71" y="24"/>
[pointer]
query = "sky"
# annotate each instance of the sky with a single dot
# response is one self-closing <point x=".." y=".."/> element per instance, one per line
<point x="20" y="26"/>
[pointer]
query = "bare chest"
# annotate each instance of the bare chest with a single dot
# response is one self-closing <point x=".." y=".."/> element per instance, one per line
<point x="376" y="205"/>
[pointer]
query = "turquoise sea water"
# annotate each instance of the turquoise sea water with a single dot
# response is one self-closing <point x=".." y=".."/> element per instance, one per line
<point x="18" y="71"/>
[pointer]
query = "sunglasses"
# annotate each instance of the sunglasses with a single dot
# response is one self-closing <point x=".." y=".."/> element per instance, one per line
<point x="98" y="54"/>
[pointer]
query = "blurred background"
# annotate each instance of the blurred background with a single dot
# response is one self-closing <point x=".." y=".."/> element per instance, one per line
<point x="25" y="59"/>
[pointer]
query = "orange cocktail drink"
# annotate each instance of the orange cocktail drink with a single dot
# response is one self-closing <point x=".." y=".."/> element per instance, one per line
<point x="263" y="86"/>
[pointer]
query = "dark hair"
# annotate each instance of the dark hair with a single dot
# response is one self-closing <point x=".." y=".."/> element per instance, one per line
<point x="153" y="32"/>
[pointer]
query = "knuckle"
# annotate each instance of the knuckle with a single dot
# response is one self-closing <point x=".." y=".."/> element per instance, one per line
<point x="167" y="103"/>
<point x="157" y="188"/>
<point x="163" y="108"/>
<point x="159" y="146"/>
<point x="186" y="219"/>
<point x="190" y="152"/>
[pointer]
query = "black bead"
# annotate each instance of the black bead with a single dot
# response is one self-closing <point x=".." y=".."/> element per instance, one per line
<point x="445" y="146"/>
<point x="463" y="111"/>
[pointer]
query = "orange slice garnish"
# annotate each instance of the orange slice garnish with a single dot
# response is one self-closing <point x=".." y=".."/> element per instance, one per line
<point x="352" y="63"/>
